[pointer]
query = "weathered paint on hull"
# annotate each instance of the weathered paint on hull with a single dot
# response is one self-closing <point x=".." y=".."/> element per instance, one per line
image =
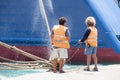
<point x="76" y="56"/>
<point x="105" y="55"/>
<point x="35" y="50"/>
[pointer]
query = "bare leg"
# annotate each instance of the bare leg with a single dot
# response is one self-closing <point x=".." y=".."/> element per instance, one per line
<point x="95" y="59"/>
<point x="61" y="63"/>
<point x="88" y="61"/>
<point x="54" y="64"/>
<point x="64" y="61"/>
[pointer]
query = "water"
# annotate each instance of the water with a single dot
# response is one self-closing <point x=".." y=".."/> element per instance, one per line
<point x="11" y="74"/>
<point x="43" y="12"/>
<point x="16" y="73"/>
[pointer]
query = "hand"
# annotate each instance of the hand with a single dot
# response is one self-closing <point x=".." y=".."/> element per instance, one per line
<point x="51" y="47"/>
<point x="79" y="41"/>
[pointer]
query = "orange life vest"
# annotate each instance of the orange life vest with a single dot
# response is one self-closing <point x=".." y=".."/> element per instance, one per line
<point x="92" y="38"/>
<point x="59" y="38"/>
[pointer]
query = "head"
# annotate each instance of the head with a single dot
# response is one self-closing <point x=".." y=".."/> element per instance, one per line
<point x="62" y="20"/>
<point x="90" y="21"/>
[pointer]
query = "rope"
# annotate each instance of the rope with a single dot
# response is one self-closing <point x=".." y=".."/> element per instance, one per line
<point x="19" y="51"/>
<point x="15" y="65"/>
<point x="73" y="53"/>
<point x="21" y="62"/>
<point x="24" y="65"/>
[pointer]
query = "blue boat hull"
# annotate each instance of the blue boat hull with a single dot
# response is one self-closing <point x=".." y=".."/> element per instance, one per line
<point x="27" y="24"/>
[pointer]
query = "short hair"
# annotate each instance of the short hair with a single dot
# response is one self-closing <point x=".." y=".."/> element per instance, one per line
<point x="90" y="21"/>
<point x="62" y="20"/>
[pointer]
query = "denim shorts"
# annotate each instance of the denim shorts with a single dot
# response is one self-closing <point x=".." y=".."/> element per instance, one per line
<point x="90" y="50"/>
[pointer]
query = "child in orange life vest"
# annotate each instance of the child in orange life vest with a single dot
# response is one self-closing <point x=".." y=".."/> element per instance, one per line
<point x="60" y="37"/>
<point x="90" y="38"/>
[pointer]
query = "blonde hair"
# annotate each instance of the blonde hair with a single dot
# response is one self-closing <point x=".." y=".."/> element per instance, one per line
<point x="90" y="21"/>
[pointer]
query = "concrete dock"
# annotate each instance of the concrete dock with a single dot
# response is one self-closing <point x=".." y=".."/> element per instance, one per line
<point x="106" y="72"/>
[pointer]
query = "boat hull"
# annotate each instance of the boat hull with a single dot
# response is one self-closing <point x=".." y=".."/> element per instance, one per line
<point x="76" y="55"/>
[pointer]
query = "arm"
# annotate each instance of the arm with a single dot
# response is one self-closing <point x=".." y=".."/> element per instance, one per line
<point x="67" y="34"/>
<point x="85" y="36"/>
<point x="51" y="36"/>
